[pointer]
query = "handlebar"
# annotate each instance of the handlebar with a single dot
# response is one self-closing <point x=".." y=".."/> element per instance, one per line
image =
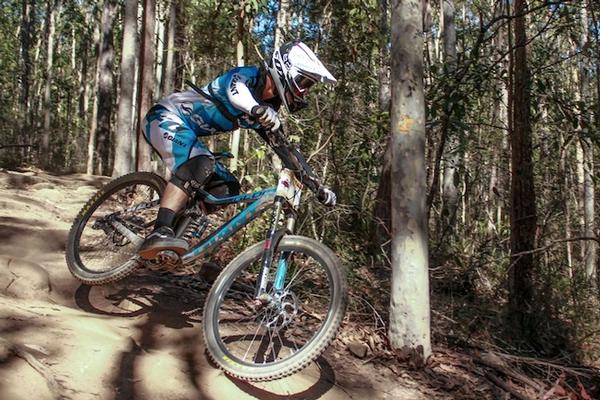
<point x="294" y="157"/>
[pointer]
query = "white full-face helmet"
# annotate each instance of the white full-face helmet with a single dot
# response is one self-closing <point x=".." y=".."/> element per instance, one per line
<point x="294" y="69"/>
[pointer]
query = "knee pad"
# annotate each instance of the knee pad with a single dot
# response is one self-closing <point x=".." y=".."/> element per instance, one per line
<point x="194" y="173"/>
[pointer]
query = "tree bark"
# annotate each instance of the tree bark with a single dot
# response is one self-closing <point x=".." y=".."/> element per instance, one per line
<point x="281" y="29"/>
<point x="451" y="155"/>
<point x="523" y="209"/>
<point x="590" y="246"/>
<point x="144" y="151"/>
<point x="26" y="28"/>
<point x="105" y="87"/>
<point x="235" y="138"/>
<point x="168" y="76"/>
<point x="125" y="134"/>
<point x="409" y="304"/>
<point x="91" y="149"/>
<point x="381" y="210"/>
<point x="159" y="41"/>
<point x="51" y="14"/>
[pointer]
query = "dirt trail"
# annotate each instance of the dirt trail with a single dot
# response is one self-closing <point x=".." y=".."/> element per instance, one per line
<point x="139" y="339"/>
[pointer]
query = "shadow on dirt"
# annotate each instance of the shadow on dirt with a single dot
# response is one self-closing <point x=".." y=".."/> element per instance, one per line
<point x="166" y="300"/>
<point x="323" y="385"/>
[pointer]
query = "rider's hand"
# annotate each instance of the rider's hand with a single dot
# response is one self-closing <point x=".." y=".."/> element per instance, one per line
<point x="267" y="117"/>
<point x="326" y="196"/>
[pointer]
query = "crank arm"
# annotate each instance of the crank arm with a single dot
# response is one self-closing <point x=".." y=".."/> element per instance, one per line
<point x="122" y="229"/>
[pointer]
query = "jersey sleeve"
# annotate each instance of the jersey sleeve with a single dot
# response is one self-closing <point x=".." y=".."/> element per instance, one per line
<point x="239" y="94"/>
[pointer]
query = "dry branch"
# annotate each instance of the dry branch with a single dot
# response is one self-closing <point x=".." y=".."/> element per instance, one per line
<point x="506" y="387"/>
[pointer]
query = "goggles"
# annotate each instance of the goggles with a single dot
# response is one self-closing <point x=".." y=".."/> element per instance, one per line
<point x="301" y="83"/>
<point x="294" y="103"/>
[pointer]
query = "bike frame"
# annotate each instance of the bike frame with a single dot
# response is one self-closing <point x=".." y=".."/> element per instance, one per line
<point x="260" y="202"/>
<point x="288" y="191"/>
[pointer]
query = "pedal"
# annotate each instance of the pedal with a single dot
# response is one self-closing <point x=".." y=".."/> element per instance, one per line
<point x="168" y="259"/>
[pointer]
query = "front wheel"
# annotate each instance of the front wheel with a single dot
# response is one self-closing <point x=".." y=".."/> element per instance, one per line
<point x="290" y="326"/>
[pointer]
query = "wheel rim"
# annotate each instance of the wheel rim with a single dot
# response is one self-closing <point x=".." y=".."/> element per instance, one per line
<point x="101" y="247"/>
<point x="285" y="323"/>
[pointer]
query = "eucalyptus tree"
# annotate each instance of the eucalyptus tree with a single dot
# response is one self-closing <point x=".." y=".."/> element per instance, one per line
<point x="124" y="134"/>
<point x="409" y="305"/>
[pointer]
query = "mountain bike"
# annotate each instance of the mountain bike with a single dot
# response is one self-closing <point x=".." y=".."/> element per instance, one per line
<point x="273" y="309"/>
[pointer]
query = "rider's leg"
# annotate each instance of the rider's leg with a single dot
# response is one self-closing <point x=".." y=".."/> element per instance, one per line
<point x="179" y="148"/>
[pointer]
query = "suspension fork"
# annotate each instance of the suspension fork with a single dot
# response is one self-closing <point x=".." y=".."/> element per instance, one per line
<point x="274" y="236"/>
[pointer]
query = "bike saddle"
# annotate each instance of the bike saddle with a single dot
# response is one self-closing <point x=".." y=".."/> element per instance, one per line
<point x="223" y="154"/>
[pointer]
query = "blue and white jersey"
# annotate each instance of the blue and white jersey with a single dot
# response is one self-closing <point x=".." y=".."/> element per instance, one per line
<point x="237" y="90"/>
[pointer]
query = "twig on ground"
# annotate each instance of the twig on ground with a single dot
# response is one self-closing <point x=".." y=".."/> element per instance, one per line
<point x="494" y="361"/>
<point x="506" y="387"/>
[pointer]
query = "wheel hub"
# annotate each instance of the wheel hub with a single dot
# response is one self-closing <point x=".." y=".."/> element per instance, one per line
<point x="282" y="310"/>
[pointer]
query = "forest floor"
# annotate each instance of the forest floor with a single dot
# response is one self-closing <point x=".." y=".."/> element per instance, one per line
<point x="61" y="339"/>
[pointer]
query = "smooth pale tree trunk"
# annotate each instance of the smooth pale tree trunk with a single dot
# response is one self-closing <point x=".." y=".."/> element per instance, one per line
<point x="160" y="39"/>
<point x="235" y="138"/>
<point x="144" y="151"/>
<point x="523" y="209"/>
<point x="587" y="147"/>
<point x="409" y="304"/>
<point x="94" y="120"/>
<point x="283" y="22"/>
<point x="451" y="156"/>
<point x="125" y="134"/>
<point x="168" y="76"/>
<point x="281" y="29"/>
<point x="566" y="190"/>
<point x="52" y="12"/>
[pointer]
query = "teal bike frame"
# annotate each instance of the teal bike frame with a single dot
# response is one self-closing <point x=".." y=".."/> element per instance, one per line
<point x="275" y="197"/>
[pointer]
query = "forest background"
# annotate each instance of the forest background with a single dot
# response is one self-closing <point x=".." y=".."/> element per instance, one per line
<point x="512" y="104"/>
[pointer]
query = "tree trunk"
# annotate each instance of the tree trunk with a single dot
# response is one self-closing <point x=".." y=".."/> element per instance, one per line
<point x="281" y="29"/>
<point x="589" y="246"/>
<point x="125" y="134"/>
<point x="451" y="156"/>
<point x="144" y="151"/>
<point x="523" y="210"/>
<point x="52" y="12"/>
<point x="180" y="41"/>
<point x="26" y="27"/>
<point x="409" y="305"/>
<point x="159" y="39"/>
<point x="105" y="86"/>
<point x="94" y="120"/>
<point x="235" y="138"/>
<point x="168" y="76"/>
<point x="381" y="210"/>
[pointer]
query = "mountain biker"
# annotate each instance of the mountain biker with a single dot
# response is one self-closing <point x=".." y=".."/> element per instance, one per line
<point x="245" y="96"/>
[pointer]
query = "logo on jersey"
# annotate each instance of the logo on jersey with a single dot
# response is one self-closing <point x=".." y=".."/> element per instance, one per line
<point x="232" y="86"/>
<point x="187" y="108"/>
<point x="173" y="139"/>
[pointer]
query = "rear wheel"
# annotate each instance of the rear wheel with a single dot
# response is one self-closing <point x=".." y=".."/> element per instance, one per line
<point x="288" y="328"/>
<point x="104" y="238"/>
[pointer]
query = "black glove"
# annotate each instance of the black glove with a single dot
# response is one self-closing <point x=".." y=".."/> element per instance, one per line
<point x="267" y="117"/>
<point x="326" y="196"/>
